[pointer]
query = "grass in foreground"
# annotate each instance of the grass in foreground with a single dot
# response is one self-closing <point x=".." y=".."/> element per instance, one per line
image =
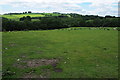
<point x="60" y="54"/>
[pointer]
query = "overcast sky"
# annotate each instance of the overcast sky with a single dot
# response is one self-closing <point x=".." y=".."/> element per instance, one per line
<point x="89" y="7"/>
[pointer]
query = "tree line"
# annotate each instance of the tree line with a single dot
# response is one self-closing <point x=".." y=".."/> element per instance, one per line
<point x="48" y="23"/>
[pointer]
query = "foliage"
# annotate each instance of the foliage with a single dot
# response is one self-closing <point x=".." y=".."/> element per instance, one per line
<point x="57" y="21"/>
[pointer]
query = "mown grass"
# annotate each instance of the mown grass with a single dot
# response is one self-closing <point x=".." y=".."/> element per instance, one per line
<point x="83" y="53"/>
<point x="17" y="17"/>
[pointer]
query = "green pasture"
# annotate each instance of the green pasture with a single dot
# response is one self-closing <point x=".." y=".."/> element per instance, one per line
<point x="82" y="53"/>
<point x="17" y="17"/>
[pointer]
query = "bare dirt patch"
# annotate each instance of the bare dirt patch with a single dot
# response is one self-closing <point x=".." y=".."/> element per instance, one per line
<point x="40" y="62"/>
<point x="36" y="63"/>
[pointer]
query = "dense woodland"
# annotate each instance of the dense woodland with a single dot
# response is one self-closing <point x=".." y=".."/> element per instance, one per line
<point x="56" y="22"/>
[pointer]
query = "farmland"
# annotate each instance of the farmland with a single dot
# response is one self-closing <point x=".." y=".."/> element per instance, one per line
<point x="61" y="53"/>
<point x="16" y="17"/>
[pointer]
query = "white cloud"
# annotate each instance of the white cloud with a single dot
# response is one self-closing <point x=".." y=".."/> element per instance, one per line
<point x="105" y="8"/>
<point x="100" y="7"/>
<point x="60" y="1"/>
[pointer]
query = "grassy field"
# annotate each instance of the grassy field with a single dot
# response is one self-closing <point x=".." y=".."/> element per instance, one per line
<point x="60" y="54"/>
<point x="17" y="17"/>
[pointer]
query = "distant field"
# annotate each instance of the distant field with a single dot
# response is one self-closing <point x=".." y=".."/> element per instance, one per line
<point x="81" y="53"/>
<point x="17" y="17"/>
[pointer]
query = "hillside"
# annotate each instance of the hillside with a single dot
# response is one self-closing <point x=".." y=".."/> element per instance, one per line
<point x="16" y="16"/>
